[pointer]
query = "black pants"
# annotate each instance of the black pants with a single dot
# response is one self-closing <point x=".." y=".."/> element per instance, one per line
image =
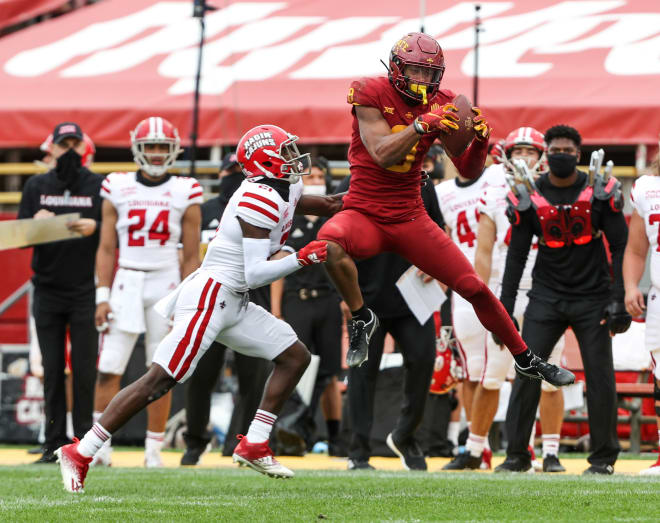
<point x="252" y="374"/>
<point x="544" y="324"/>
<point x="52" y="313"/>
<point x="317" y="322"/>
<point x="417" y="344"/>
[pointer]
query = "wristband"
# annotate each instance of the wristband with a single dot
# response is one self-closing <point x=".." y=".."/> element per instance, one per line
<point x="102" y="294"/>
<point x="418" y="128"/>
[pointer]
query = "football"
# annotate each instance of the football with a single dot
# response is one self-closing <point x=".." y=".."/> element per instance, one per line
<point x="457" y="141"/>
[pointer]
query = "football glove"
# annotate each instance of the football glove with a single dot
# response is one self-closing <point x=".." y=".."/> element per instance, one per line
<point x="313" y="252"/>
<point x="499" y="341"/>
<point x="617" y="318"/>
<point x="445" y="120"/>
<point x="481" y="128"/>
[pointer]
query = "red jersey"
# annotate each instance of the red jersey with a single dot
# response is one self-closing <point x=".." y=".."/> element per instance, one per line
<point x="391" y="194"/>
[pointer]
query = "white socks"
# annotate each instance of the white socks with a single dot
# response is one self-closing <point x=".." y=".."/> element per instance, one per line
<point x="154" y="441"/>
<point x="475" y="445"/>
<point x="452" y="432"/>
<point x="550" y="444"/>
<point x="261" y="426"/>
<point x="93" y="440"/>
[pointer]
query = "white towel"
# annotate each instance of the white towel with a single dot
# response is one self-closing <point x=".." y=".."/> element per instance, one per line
<point x="126" y="301"/>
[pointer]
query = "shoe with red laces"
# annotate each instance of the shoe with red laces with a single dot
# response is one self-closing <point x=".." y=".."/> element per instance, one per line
<point x="653" y="470"/>
<point x="486" y="459"/>
<point x="259" y="457"/>
<point x="73" y="466"/>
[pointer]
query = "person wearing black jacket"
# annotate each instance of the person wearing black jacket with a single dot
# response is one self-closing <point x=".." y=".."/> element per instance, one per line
<point x="377" y="277"/>
<point x="64" y="284"/>
<point x="252" y="372"/>
<point x="571" y="287"/>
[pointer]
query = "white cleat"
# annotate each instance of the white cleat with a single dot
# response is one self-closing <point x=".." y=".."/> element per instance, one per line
<point x="653" y="470"/>
<point x="259" y="457"/>
<point x="153" y="459"/>
<point x="73" y="467"/>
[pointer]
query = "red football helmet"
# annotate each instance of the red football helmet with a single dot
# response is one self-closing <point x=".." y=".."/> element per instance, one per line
<point x="524" y="136"/>
<point x="416" y="49"/>
<point x="496" y="151"/>
<point x="268" y="150"/>
<point x="155" y="130"/>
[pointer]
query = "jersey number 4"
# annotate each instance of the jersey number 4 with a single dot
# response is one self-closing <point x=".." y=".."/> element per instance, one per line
<point x="159" y="230"/>
<point x="463" y="229"/>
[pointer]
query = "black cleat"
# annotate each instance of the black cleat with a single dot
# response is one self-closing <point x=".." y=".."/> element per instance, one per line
<point x="541" y="370"/>
<point x="464" y="461"/>
<point x="192" y="455"/>
<point x="515" y="465"/>
<point x="361" y="333"/>
<point x="359" y="464"/>
<point x="597" y="468"/>
<point x="551" y="464"/>
<point x="47" y="457"/>
<point x="408" y="450"/>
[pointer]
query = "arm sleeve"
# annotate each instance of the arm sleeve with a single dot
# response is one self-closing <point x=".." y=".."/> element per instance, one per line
<point x="27" y="207"/>
<point x="260" y="271"/>
<point x="516" y="258"/>
<point x="471" y="163"/>
<point x="616" y="232"/>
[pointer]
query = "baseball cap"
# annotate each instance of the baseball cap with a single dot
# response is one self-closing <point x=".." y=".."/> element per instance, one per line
<point x="230" y="160"/>
<point x="67" y="130"/>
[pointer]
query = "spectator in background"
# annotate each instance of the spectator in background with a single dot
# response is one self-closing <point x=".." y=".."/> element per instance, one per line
<point x="308" y="301"/>
<point x="571" y="286"/>
<point x="64" y="284"/>
<point x="86" y="149"/>
<point x="377" y="277"/>
<point x="251" y="372"/>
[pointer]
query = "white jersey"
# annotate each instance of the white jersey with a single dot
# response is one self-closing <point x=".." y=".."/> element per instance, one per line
<point x="493" y="204"/>
<point x="149" y="218"/>
<point x="459" y="205"/>
<point x="261" y="206"/>
<point x="645" y="197"/>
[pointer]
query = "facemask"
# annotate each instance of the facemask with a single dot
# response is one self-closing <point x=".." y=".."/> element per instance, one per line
<point x="68" y="167"/>
<point x="314" y="190"/>
<point x="562" y="165"/>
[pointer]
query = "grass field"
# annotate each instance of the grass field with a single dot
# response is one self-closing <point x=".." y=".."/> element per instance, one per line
<point x="35" y="493"/>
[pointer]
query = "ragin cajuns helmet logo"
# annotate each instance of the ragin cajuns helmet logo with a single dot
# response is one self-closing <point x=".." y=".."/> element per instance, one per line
<point x="258" y="140"/>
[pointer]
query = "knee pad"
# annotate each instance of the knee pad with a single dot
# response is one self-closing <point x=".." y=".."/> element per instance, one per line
<point x="469" y="285"/>
<point x="546" y="387"/>
<point x="492" y="383"/>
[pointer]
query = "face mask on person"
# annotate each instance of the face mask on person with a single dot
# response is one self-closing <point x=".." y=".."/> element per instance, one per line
<point x="562" y="165"/>
<point x="68" y="167"/>
<point x="314" y="190"/>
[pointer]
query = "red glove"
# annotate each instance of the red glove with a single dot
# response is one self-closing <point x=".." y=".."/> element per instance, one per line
<point x="481" y="128"/>
<point x="445" y="120"/>
<point x="313" y="252"/>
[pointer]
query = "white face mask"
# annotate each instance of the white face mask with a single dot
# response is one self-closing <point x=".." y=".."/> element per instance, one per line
<point x="314" y="190"/>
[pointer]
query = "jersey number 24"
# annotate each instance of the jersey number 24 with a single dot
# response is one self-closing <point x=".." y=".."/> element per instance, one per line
<point x="159" y="230"/>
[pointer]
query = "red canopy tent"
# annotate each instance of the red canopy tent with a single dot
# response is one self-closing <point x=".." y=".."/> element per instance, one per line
<point x="594" y="64"/>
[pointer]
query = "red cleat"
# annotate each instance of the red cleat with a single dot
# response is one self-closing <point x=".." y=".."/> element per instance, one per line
<point x="73" y="466"/>
<point x="259" y="457"/>
<point x="486" y="459"/>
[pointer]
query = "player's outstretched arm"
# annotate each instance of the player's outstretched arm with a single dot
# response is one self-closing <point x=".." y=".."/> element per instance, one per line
<point x="190" y="227"/>
<point x="320" y="205"/>
<point x="259" y="270"/>
<point x="634" y="260"/>
<point x="385" y="147"/>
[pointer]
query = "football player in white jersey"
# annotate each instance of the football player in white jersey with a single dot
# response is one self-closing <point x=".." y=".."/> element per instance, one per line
<point x="494" y="228"/>
<point x="145" y="214"/>
<point x="212" y="303"/>
<point x="644" y="232"/>
<point x="458" y="199"/>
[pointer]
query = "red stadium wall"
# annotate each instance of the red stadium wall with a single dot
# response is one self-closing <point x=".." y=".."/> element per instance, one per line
<point x="16" y="271"/>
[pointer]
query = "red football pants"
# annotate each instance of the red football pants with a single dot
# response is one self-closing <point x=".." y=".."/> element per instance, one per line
<point x="425" y="245"/>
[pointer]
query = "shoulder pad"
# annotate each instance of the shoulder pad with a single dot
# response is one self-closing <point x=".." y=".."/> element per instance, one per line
<point x="362" y="92"/>
<point x="610" y="190"/>
<point x="521" y="201"/>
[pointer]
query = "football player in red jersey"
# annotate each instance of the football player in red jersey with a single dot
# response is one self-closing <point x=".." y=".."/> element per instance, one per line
<point x="395" y="121"/>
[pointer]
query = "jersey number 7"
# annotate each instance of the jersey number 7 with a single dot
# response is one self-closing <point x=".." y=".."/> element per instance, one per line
<point x="159" y="230"/>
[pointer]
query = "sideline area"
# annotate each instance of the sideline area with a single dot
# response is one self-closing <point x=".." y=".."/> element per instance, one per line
<point x="134" y="458"/>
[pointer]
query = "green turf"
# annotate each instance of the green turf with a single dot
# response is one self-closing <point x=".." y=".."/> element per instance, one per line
<point x="35" y="493"/>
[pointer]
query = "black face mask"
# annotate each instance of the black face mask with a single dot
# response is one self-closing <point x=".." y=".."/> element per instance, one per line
<point x="562" y="165"/>
<point x="68" y="167"/>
